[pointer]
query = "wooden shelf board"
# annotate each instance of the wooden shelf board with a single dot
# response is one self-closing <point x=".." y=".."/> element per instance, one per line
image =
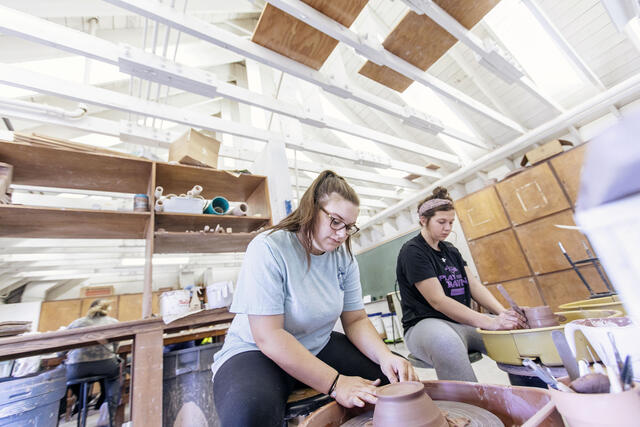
<point x="172" y="243"/>
<point x="52" y="167"/>
<point x="282" y="33"/>
<point x="178" y="222"/>
<point x="178" y="179"/>
<point x="34" y="221"/>
<point x="420" y="41"/>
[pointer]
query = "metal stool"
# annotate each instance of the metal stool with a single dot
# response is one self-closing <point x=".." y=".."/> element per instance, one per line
<point x="474" y="356"/>
<point x="83" y="405"/>
<point x="302" y="402"/>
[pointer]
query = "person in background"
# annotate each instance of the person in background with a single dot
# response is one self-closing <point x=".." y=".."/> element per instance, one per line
<point x="296" y="280"/>
<point x="436" y="288"/>
<point x="98" y="359"/>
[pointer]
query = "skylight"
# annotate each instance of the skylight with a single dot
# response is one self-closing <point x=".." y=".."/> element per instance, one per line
<point x="534" y="49"/>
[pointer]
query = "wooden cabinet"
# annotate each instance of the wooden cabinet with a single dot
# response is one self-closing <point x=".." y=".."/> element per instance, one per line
<point x="568" y="168"/>
<point x="540" y="239"/>
<point x="523" y="291"/>
<point x="565" y="286"/>
<point x="481" y="213"/>
<point x="498" y="257"/>
<point x="164" y="232"/>
<point x="125" y="307"/>
<point x="130" y="306"/>
<point x="513" y="238"/>
<point x="532" y="194"/>
<point x="54" y="314"/>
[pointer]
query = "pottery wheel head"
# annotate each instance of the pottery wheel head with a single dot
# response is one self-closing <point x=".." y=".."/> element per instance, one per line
<point x="479" y="417"/>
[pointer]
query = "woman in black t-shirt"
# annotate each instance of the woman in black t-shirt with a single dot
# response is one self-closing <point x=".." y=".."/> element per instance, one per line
<point x="436" y="288"/>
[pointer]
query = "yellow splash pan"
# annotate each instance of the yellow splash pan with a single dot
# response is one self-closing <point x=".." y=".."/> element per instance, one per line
<point x="511" y="347"/>
<point x="603" y="303"/>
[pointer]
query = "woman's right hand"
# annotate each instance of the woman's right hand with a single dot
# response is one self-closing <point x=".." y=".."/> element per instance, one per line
<point x="355" y="391"/>
<point x="507" y="320"/>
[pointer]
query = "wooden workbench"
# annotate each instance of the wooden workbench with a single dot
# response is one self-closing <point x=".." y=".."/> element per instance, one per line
<point x="147" y="336"/>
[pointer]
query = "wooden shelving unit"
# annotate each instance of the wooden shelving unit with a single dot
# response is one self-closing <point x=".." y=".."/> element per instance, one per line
<point x="164" y="232"/>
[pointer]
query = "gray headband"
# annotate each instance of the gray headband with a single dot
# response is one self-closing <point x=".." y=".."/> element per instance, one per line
<point x="433" y="203"/>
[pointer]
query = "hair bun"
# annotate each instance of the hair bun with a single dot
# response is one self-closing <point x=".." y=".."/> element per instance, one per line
<point x="441" y="193"/>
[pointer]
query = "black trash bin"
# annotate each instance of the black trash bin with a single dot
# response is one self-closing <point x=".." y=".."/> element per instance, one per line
<point x="187" y="394"/>
<point x="34" y="400"/>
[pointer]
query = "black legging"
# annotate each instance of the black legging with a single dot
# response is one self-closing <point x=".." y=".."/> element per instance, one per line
<point x="250" y="390"/>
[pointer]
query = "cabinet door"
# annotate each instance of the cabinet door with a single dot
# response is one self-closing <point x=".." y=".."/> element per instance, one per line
<point x="532" y="194"/>
<point x="498" y="257"/>
<point x="568" y="167"/>
<point x="113" y="308"/>
<point x="130" y="306"/>
<point x="523" y="291"/>
<point x="481" y="213"/>
<point x="54" y="314"/>
<point x="565" y="286"/>
<point x="540" y="239"/>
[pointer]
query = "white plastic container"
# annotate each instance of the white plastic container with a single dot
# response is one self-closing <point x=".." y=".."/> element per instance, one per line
<point x="219" y="294"/>
<point x="387" y="321"/>
<point x="183" y="205"/>
<point x="376" y="320"/>
<point x="174" y="303"/>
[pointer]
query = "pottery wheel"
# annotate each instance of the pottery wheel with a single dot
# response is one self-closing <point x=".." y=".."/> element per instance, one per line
<point x="479" y="417"/>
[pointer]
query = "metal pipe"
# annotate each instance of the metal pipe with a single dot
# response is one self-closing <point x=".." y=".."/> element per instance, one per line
<point x="55" y="111"/>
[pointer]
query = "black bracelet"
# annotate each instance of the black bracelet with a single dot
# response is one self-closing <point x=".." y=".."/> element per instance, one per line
<point x="333" y="384"/>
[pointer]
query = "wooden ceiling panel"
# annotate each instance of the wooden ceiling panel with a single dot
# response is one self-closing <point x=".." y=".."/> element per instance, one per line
<point x="386" y="76"/>
<point x="420" y="41"/>
<point x="282" y="33"/>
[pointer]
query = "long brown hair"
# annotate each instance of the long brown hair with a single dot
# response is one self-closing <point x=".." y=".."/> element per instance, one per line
<point x="438" y="193"/>
<point x="304" y="218"/>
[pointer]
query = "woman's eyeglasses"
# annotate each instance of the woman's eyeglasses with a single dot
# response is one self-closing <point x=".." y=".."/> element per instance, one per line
<point x="337" y="224"/>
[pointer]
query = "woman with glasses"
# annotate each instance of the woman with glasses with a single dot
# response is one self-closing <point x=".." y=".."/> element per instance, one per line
<point x="436" y="288"/>
<point x="296" y="280"/>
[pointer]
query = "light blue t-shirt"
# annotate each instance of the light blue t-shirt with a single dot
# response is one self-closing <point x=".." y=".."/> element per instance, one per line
<point x="275" y="279"/>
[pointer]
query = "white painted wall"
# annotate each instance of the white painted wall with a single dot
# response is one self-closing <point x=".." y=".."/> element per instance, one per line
<point x="24" y="311"/>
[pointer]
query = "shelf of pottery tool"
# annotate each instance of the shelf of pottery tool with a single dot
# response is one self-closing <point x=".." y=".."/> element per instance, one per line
<point x="58" y="165"/>
<point x="513" y="234"/>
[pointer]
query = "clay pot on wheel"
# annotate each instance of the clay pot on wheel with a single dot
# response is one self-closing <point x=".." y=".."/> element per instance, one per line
<point x="540" y="317"/>
<point x="406" y="404"/>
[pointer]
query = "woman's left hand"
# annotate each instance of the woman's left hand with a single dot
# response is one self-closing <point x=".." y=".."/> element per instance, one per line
<point x="397" y="369"/>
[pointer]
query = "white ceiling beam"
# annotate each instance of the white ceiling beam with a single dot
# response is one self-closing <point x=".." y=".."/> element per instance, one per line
<point x="489" y="54"/>
<point x="564" y="45"/>
<point x="380" y="56"/>
<point x="83" y="93"/>
<point x="595" y="104"/>
<point x="227" y="40"/>
<point x="304" y="183"/>
<point x="84" y="8"/>
<point x="481" y="84"/>
<point x="353" y="173"/>
<point x="161" y="70"/>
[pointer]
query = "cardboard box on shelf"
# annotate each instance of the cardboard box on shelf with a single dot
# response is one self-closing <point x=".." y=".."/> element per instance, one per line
<point x="544" y="151"/>
<point x="196" y="149"/>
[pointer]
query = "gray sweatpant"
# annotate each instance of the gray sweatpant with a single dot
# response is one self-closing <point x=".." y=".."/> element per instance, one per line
<point x="445" y="345"/>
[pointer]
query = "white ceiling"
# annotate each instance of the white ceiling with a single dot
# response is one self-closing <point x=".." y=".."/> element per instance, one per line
<point x="559" y="88"/>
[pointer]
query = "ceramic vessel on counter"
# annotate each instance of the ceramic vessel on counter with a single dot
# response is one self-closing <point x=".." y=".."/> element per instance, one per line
<point x="406" y="404"/>
<point x="598" y="410"/>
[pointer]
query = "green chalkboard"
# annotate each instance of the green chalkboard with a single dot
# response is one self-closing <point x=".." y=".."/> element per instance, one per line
<point x="378" y="266"/>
